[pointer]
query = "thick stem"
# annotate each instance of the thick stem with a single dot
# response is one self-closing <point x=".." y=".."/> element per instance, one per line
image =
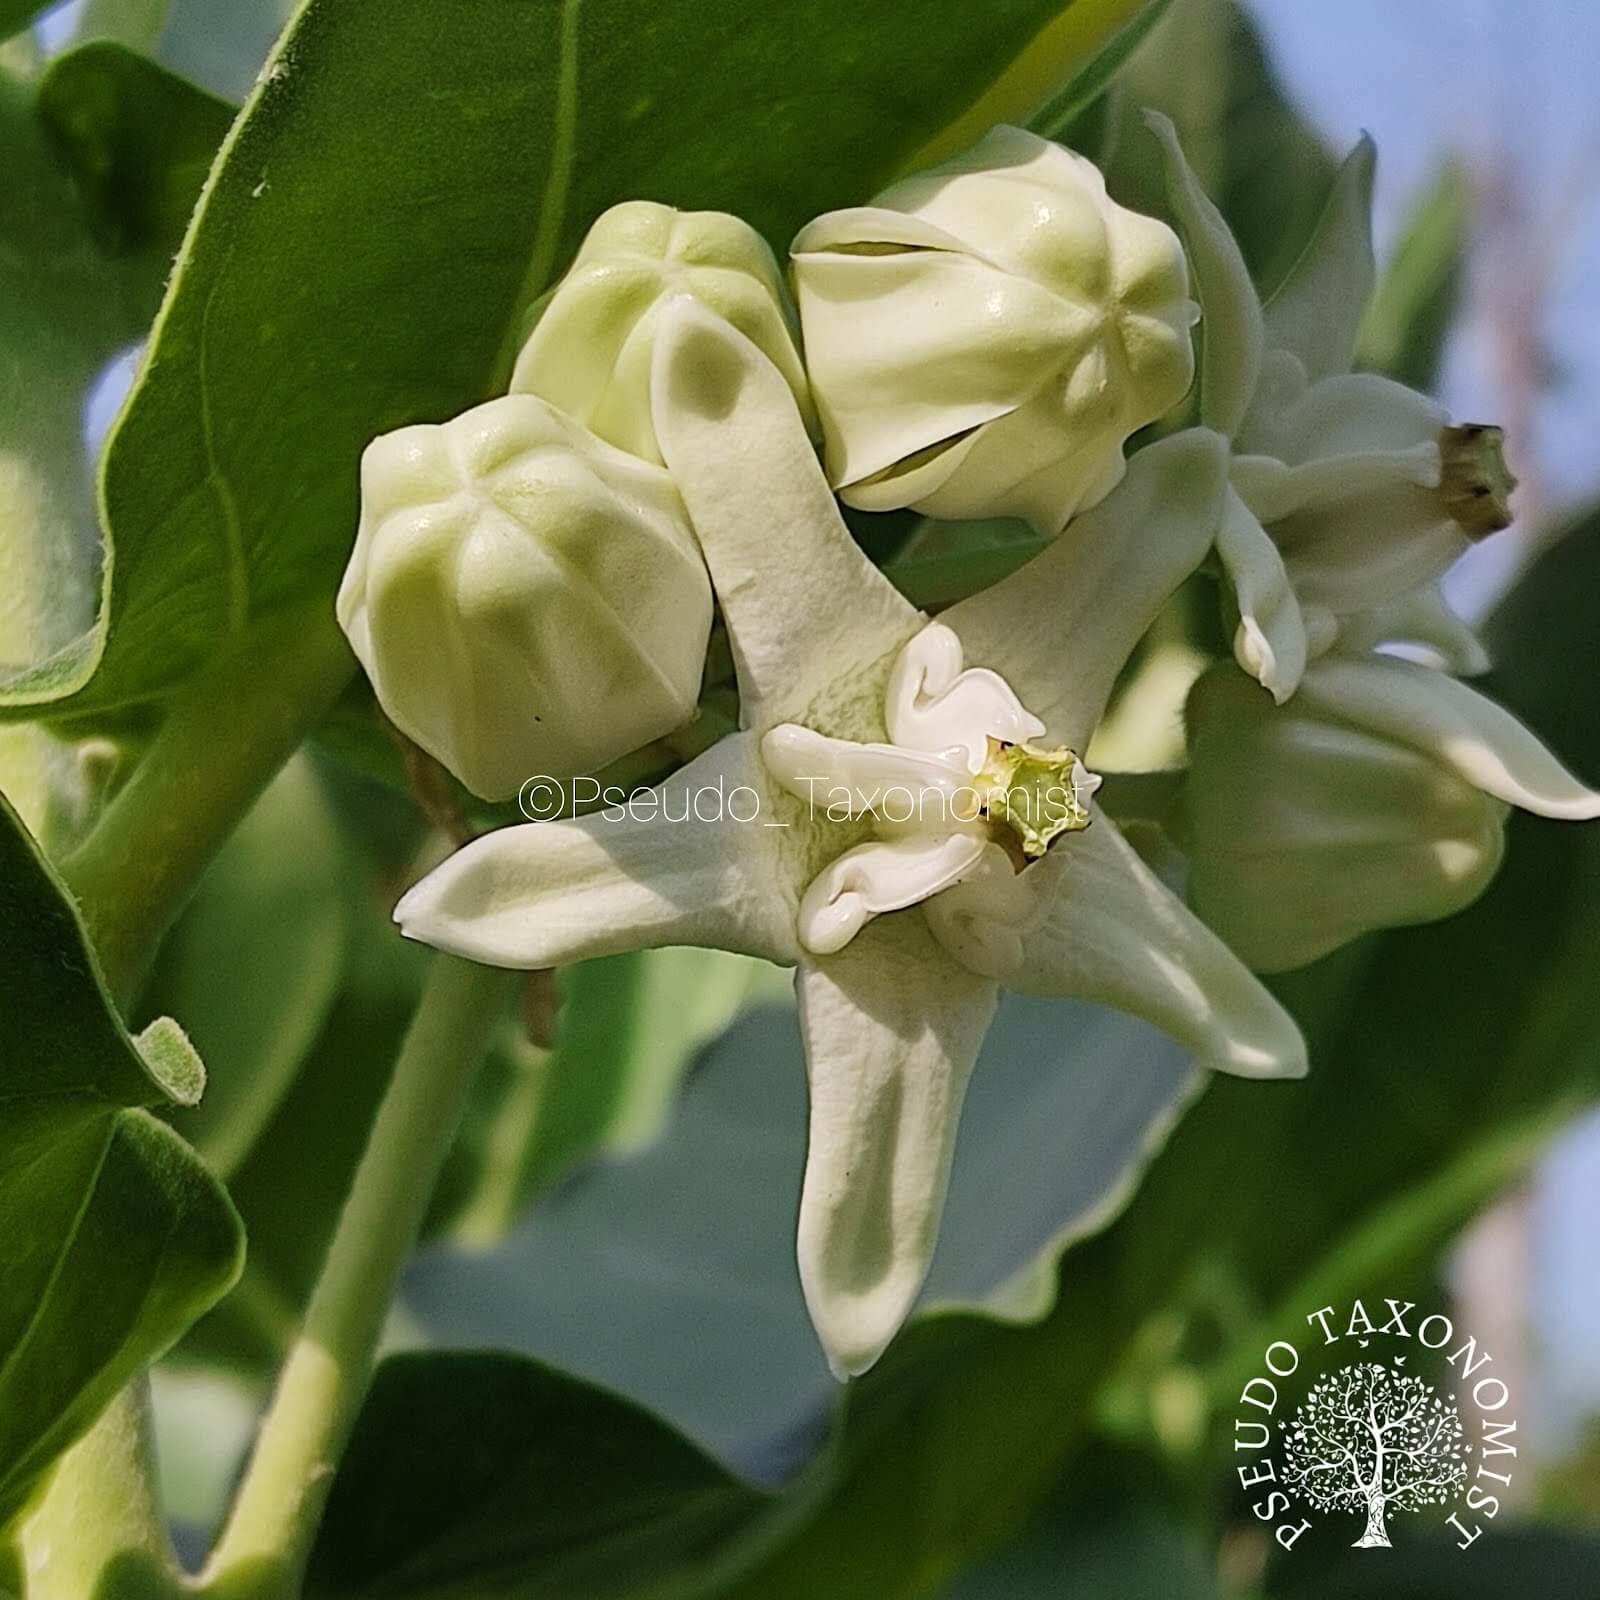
<point x="98" y="1530"/>
<point x="264" y="1548"/>
<point x="218" y="746"/>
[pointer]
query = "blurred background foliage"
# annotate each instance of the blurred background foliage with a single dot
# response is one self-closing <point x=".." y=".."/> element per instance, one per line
<point x="1058" y="1424"/>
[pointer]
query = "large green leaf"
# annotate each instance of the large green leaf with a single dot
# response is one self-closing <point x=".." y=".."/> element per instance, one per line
<point x="116" y="1237"/>
<point x="104" y="159"/>
<point x="1060" y="117"/>
<point x="16" y="14"/>
<point x="404" y="181"/>
<point x="482" y="1476"/>
<point x="1114" y="1536"/>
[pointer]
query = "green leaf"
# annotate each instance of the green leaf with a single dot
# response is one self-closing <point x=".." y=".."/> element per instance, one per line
<point x="472" y="1476"/>
<point x="139" y="142"/>
<point x="1108" y="1535"/>
<point x="1410" y="315"/>
<point x="1530" y="1563"/>
<point x="116" y="1236"/>
<point x="400" y="187"/>
<point x="15" y="15"/>
<point x="63" y="1037"/>
<point x="256" y="960"/>
<point x="104" y="162"/>
<point x="1091" y="81"/>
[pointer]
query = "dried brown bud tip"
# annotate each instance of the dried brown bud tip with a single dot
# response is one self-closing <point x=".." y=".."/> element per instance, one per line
<point x="1476" y="483"/>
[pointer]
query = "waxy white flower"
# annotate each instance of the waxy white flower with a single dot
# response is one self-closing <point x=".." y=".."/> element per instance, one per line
<point x="590" y="350"/>
<point x="896" y="1002"/>
<point x="983" y="337"/>
<point x="1350" y="494"/>
<point x="1375" y="798"/>
<point x="524" y="597"/>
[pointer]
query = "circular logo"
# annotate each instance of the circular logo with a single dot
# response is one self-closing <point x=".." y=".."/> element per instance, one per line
<point x="1371" y="1420"/>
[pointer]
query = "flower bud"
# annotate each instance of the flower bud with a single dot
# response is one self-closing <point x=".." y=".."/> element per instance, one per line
<point x="1307" y="830"/>
<point x="983" y="338"/>
<point x="590" y="350"/>
<point x="525" y="598"/>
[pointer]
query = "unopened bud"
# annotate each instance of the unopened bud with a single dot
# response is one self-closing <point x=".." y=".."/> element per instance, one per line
<point x="1306" y="831"/>
<point x="985" y="335"/>
<point x="590" y="350"/>
<point x="525" y="598"/>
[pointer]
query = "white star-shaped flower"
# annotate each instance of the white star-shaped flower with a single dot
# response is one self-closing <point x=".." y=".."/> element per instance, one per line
<point x="897" y="926"/>
<point x="1349" y="494"/>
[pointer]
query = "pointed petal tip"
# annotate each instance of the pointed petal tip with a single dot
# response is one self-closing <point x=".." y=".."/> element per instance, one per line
<point x="855" y="1329"/>
<point x="1253" y="651"/>
<point x="1287" y="1063"/>
<point x="1583" y="807"/>
<point x="1159" y="123"/>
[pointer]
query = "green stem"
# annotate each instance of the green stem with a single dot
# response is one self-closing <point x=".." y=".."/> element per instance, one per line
<point x="267" y="1542"/>
<point x="99" y="1530"/>
<point x="216" y="749"/>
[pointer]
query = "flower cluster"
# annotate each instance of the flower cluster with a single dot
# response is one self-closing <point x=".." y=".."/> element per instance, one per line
<point x="1368" y="787"/>
<point x="532" y="591"/>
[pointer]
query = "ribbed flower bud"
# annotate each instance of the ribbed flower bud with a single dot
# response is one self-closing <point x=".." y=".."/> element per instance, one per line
<point x="525" y="598"/>
<point x="1308" y="829"/>
<point x="590" y="350"/>
<point x="985" y="335"/>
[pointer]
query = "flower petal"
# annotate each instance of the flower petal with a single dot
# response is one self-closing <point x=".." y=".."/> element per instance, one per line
<point x="1421" y="617"/>
<point x="688" y="863"/>
<point x="1315" y="313"/>
<point x="1434" y="713"/>
<point x="1114" y="933"/>
<point x="891" y="380"/>
<point x="1270" y="641"/>
<point x="803" y="606"/>
<point x="1231" y="329"/>
<point x="1061" y="628"/>
<point x="1355" y="414"/>
<point x="892" y="1027"/>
